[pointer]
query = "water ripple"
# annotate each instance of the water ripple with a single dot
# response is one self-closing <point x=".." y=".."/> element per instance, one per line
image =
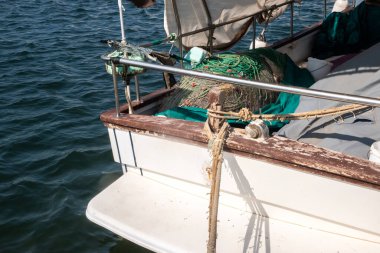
<point x="55" y="155"/>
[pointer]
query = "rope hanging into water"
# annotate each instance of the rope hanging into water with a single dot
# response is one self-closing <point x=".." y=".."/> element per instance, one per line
<point x="218" y="138"/>
<point x="246" y="115"/>
<point x="217" y="141"/>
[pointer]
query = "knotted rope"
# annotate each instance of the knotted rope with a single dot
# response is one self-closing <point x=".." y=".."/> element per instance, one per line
<point x="246" y="115"/>
<point x="218" y="138"/>
<point x="217" y="141"/>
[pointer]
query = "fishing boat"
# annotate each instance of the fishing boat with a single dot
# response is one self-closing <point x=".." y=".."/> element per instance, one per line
<point x="313" y="185"/>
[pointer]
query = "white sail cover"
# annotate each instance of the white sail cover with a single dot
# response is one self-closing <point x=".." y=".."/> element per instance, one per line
<point x="193" y="16"/>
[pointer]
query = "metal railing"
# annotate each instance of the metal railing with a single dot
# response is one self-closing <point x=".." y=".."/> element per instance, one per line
<point x="336" y="96"/>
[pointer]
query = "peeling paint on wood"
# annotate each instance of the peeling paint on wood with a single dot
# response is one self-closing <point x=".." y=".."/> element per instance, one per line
<point x="278" y="150"/>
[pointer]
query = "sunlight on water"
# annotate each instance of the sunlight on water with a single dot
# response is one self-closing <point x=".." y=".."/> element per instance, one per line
<point x="55" y="154"/>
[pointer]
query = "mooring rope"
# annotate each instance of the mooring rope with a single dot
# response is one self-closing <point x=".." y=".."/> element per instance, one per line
<point x="245" y="115"/>
<point x="218" y="138"/>
<point x="217" y="141"/>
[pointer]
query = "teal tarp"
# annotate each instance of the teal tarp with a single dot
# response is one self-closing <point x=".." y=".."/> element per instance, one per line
<point x="194" y="114"/>
<point x="186" y="113"/>
<point x="286" y="102"/>
<point x="343" y="33"/>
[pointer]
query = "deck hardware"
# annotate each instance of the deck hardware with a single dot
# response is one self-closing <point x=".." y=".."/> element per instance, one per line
<point x="257" y="129"/>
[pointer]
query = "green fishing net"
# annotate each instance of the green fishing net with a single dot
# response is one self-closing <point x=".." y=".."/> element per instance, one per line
<point x="251" y="65"/>
<point x="191" y="93"/>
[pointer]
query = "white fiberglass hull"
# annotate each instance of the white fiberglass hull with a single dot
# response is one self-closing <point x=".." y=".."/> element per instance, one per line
<point x="263" y="206"/>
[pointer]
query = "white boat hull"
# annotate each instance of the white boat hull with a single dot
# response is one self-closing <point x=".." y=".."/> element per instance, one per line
<point x="263" y="206"/>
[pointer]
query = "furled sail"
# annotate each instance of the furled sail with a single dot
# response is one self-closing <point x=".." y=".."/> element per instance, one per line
<point x="197" y="14"/>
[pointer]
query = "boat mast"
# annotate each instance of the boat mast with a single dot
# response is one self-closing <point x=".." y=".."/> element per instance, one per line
<point x="123" y="41"/>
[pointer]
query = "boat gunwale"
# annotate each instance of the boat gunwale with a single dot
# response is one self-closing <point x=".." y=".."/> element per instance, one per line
<point x="276" y="150"/>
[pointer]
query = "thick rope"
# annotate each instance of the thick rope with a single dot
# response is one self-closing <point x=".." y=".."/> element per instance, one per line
<point x="217" y="139"/>
<point x="246" y="115"/>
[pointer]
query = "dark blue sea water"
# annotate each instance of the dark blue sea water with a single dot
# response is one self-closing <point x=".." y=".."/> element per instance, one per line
<point x="55" y="154"/>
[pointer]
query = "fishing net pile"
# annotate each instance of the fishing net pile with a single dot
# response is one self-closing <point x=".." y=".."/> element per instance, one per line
<point x="251" y="65"/>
